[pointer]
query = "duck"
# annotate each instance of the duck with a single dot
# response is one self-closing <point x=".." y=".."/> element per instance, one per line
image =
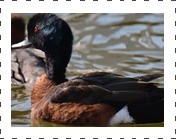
<point x="17" y="27"/>
<point x="24" y="61"/>
<point x="92" y="99"/>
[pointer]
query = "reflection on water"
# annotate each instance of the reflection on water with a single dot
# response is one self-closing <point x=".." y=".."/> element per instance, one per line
<point x="125" y="43"/>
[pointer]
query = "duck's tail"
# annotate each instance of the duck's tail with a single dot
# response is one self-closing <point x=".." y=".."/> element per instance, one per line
<point x="149" y="109"/>
<point x="149" y="77"/>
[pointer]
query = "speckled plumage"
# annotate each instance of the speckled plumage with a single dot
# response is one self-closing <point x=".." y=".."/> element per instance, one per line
<point x="70" y="113"/>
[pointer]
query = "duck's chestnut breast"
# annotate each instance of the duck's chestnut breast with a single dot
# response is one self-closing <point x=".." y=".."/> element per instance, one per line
<point x="68" y="113"/>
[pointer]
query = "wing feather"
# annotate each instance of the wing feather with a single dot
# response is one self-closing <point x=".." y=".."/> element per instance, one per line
<point x="102" y="86"/>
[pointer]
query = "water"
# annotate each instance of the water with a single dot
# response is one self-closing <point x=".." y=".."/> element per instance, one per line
<point x="125" y="43"/>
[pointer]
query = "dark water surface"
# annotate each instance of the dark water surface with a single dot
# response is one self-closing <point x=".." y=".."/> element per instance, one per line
<point x="127" y="44"/>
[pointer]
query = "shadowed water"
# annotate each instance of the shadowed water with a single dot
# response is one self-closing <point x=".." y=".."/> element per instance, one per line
<point x="125" y="43"/>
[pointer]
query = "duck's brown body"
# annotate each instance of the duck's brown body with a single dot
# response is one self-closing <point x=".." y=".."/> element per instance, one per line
<point x="68" y="113"/>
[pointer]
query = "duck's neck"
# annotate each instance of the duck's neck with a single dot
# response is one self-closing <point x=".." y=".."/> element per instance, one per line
<point x="54" y="71"/>
<point x="56" y="64"/>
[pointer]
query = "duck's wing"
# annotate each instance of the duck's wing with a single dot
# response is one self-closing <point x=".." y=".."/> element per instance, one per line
<point x="100" y="86"/>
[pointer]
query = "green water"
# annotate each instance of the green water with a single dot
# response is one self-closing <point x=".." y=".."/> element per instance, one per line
<point x="127" y="44"/>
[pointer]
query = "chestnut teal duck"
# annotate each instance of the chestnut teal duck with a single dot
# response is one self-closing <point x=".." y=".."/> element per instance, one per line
<point x="92" y="99"/>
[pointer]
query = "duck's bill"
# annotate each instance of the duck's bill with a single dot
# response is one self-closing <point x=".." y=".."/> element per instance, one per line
<point x="23" y="44"/>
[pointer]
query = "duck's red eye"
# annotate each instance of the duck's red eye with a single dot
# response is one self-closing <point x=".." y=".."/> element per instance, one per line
<point x="36" y="29"/>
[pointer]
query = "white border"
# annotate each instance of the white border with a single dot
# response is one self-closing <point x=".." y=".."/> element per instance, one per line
<point x="88" y="6"/>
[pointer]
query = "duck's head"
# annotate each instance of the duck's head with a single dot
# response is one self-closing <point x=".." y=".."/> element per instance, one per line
<point x="52" y="35"/>
<point x="17" y="28"/>
<point x="48" y="32"/>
